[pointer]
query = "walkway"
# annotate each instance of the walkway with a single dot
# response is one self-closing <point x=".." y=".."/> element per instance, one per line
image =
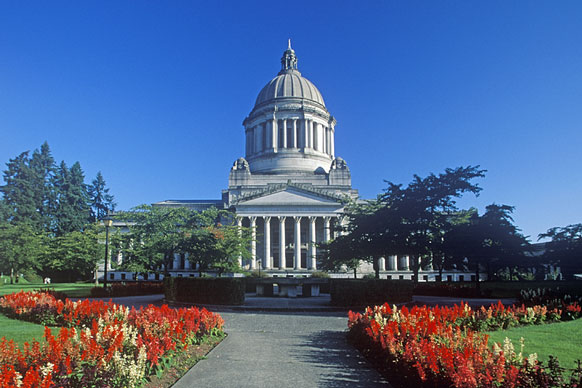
<point x="301" y="347"/>
<point x="265" y="349"/>
<point x="281" y="342"/>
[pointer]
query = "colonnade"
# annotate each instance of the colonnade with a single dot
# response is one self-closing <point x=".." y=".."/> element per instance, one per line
<point x="276" y="246"/>
<point x="298" y="133"/>
<point x="394" y="263"/>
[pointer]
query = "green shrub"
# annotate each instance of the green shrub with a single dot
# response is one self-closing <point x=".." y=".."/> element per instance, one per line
<point x="368" y="292"/>
<point x="320" y="275"/>
<point x="209" y="291"/>
<point x="136" y="288"/>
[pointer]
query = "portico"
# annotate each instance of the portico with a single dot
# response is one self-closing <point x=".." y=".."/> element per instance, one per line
<point x="288" y="222"/>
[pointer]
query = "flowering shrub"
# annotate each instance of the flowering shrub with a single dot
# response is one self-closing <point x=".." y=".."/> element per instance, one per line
<point x="442" y="346"/>
<point x="100" y="344"/>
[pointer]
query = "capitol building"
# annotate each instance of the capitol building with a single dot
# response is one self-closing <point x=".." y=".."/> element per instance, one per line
<point x="290" y="187"/>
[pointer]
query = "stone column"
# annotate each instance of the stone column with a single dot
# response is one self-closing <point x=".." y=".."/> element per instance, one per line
<point x="253" y="242"/>
<point x="407" y="261"/>
<point x="326" y="231"/>
<point x="239" y="226"/>
<point x="274" y="134"/>
<point x="315" y="138"/>
<point x="282" y="242"/>
<point x="305" y="134"/>
<point x="311" y="255"/>
<point x="267" y="259"/>
<point x="382" y="264"/>
<point x="332" y="141"/>
<point x="297" y="256"/>
<point x="294" y="135"/>
<point x="392" y="264"/>
<point x="284" y="133"/>
<point x="311" y="141"/>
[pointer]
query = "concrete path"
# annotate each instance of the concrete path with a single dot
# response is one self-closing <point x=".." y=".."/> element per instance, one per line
<point x="283" y="350"/>
<point x="304" y="346"/>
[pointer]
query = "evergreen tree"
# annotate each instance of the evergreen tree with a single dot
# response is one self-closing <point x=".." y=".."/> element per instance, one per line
<point x="101" y="200"/>
<point x="4" y="211"/>
<point x="73" y="209"/>
<point x="42" y="166"/>
<point x="19" y="191"/>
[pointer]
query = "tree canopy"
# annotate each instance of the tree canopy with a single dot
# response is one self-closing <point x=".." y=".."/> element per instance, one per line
<point x="564" y="248"/>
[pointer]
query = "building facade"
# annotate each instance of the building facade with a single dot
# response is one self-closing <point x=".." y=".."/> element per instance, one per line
<point x="290" y="187"/>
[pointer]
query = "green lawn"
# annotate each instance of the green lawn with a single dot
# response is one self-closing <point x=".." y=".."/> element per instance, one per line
<point x="20" y="331"/>
<point x="73" y="290"/>
<point x="562" y="340"/>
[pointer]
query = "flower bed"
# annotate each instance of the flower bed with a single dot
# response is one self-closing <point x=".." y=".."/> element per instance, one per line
<point x="444" y="347"/>
<point x="100" y="344"/>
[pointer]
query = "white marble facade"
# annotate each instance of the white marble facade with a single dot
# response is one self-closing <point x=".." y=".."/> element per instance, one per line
<point x="290" y="186"/>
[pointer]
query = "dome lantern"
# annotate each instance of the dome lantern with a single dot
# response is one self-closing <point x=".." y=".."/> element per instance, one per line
<point x="289" y="60"/>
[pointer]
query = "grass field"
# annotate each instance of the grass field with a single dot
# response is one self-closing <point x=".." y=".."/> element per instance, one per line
<point x="562" y="340"/>
<point x="72" y="290"/>
<point x="20" y="331"/>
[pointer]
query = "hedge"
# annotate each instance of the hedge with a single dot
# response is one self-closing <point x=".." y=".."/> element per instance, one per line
<point x="367" y="292"/>
<point x="227" y="291"/>
<point x="128" y="289"/>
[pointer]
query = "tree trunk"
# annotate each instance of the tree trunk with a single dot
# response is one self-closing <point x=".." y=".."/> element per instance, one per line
<point x="415" y="263"/>
<point x="12" y="275"/>
<point x="96" y="277"/>
<point x="376" y="268"/>
<point x="477" y="283"/>
<point x="355" y="273"/>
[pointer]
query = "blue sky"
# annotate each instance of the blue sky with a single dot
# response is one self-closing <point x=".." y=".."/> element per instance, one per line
<point x="153" y="94"/>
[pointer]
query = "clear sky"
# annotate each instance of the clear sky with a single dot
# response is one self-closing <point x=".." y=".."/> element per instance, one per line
<point x="153" y="94"/>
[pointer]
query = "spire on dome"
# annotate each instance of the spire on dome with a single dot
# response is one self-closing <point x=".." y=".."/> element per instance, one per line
<point x="289" y="59"/>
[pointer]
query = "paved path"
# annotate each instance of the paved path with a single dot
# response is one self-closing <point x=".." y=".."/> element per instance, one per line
<point x="283" y="350"/>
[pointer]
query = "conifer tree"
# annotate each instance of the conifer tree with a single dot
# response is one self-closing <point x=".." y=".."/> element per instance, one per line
<point x="100" y="199"/>
<point x="19" y="193"/>
<point x="73" y="210"/>
<point x="42" y="166"/>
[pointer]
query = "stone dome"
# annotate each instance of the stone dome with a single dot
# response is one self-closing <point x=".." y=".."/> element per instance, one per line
<point x="289" y="84"/>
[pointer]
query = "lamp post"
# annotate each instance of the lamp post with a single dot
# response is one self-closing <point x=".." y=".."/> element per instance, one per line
<point x="107" y="221"/>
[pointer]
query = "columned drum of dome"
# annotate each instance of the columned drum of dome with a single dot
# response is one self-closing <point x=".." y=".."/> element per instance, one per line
<point x="289" y="129"/>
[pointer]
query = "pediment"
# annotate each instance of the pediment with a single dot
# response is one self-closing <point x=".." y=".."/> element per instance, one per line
<point x="289" y="197"/>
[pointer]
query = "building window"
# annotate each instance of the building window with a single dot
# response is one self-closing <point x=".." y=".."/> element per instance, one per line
<point x="449" y="278"/>
<point x="425" y="278"/>
<point x="401" y="277"/>
<point x="122" y="276"/>
<point x="111" y="276"/>
<point x="389" y="277"/>
<point x="473" y="278"/>
<point x="461" y="278"/>
<point x="157" y="277"/>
